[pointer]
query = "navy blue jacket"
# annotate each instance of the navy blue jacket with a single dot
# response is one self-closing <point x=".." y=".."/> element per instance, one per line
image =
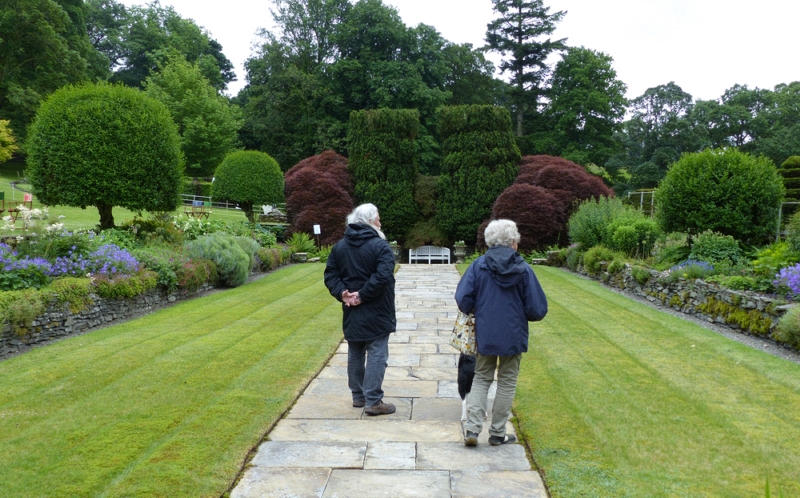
<point x="502" y="291"/>
<point x="363" y="262"/>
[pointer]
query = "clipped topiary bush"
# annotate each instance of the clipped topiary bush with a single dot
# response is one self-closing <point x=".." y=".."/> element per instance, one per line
<point x="249" y="178"/>
<point x="233" y="264"/>
<point x="541" y="216"/>
<point x="105" y="145"/>
<point x="723" y="190"/>
<point x="382" y="159"/>
<point x="319" y="192"/>
<point x="479" y="160"/>
<point x="790" y="172"/>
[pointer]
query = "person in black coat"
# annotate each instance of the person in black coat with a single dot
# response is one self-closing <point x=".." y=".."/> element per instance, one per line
<point x="360" y="274"/>
<point x="502" y="291"/>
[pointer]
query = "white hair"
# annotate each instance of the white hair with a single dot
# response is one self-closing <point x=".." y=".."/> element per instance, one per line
<point x="365" y="214"/>
<point x="501" y="233"/>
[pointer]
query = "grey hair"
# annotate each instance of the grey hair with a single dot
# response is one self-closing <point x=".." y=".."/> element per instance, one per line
<point x="501" y="233"/>
<point x="365" y="214"/>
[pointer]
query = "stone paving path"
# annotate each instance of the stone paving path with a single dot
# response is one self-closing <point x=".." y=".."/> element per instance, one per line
<point x="325" y="448"/>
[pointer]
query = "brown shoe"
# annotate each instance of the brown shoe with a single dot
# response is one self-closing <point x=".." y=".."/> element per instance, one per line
<point x="380" y="409"/>
<point x="358" y="403"/>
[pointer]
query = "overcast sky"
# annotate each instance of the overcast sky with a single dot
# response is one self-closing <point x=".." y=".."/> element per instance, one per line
<point x="704" y="46"/>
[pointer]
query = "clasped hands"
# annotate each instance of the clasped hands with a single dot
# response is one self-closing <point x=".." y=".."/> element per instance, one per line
<point x="350" y="298"/>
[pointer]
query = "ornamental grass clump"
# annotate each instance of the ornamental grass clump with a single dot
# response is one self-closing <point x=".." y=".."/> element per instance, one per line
<point x="233" y="264"/>
<point x="788" y="330"/>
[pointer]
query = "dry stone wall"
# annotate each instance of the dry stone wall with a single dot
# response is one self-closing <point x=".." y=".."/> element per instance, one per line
<point x="59" y="321"/>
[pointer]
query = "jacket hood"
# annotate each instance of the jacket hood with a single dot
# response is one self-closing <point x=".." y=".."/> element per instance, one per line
<point x="357" y="235"/>
<point x="505" y="265"/>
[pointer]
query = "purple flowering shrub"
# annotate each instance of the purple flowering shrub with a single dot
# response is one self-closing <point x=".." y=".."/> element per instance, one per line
<point x="789" y="278"/>
<point x="24" y="271"/>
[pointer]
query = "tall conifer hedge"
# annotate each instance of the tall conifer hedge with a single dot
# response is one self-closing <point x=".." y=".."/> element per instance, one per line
<point x="479" y="160"/>
<point x="382" y="148"/>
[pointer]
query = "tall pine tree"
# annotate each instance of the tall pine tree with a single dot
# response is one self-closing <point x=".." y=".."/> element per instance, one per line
<point x="517" y="35"/>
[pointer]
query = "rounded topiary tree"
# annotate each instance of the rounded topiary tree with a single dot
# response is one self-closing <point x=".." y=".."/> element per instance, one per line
<point x="105" y="145"/>
<point x="319" y="192"/>
<point x="382" y="159"/>
<point x="248" y="178"/>
<point x="723" y="190"/>
<point x="479" y="160"/>
<point x="556" y="173"/>
<point x="790" y="172"/>
<point x="540" y="214"/>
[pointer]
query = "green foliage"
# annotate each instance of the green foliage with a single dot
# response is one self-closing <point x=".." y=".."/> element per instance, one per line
<point x="233" y="264"/>
<point x="207" y="122"/>
<point x="587" y="225"/>
<point x="271" y="258"/>
<point x="249" y="178"/>
<point x="7" y="141"/>
<point x="479" y="160"/>
<point x="726" y="191"/>
<point x="670" y="250"/>
<point x="788" y="330"/>
<point x="322" y="253"/>
<point x="198" y="187"/>
<point x="194" y="274"/>
<point x="104" y="146"/>
<point x="125" y="287"/>
<point x="761" y="283"/>
<point x="153" y="231"/>
<point x="163" y="261"/>
<point x="598" y="254"/>
<point x="425" y="232"/>
<point x="20" y="308"/>
<point x="382" y="159"/>
<point x="32" y="275"/>
<point x="634" y="234"/>
<point x="74" y="292"/>
<point x="770" y="259"/>
<point x="54" y="244"/>
<point x="790" y="172"/>
<point x="250" y="247"/>
<point x="587" y="103"/>
<point x="640" y="274"/>
<point x="573" y="257"/>
<point x="715" y="248"/>
<point x="300" y="242"/>
<point x="793" y="231"/>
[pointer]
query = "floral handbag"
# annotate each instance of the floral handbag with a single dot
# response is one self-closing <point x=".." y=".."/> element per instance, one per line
<point x="463" y="336"/>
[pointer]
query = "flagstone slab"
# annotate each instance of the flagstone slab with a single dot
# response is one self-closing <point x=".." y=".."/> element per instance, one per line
<point x="436" y="409"/>
<point x="396" y="338"/>
<point x="338" y="360"/>
<point x="366" y="430"/>
<point x="406" y="325"/>
<point x="325" y="406"/>
<point x="429" y="373"/>
<point x="260" y="482"/>
<point x="481" y="458"/>
<point x="336" y="387"/>
<point x="497" y="484"/>
<point x="410" y="388"/>
<point x="402" y="360"/>
<point x="390" y="456"/>
<point x="341" y="455"/>
<point x="387" y="483"/>
<point x="429" y="339"/>
<point x="412" y="349"/>
<point x="392" y="373"/>
<point x="438" y="360"/>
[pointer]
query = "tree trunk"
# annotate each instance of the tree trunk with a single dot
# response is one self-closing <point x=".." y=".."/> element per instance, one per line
<point x="106" y="216"/>
<point x="247" y="207"/>
<point x="519" y="119"/>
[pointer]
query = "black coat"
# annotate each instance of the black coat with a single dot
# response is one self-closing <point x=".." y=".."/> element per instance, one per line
<point x="363" y="262"/>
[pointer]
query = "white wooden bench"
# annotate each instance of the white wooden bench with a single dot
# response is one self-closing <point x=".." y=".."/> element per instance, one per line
<point x="429" y="254"/>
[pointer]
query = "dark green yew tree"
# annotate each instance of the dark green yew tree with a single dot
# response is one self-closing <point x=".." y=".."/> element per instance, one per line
<point x="382" y="148"/>
<point x="479" y="160"/>
<point x="104" y="146"/>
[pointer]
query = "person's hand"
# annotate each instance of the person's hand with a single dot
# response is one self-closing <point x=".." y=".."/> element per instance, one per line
<point x="350" y="298"/>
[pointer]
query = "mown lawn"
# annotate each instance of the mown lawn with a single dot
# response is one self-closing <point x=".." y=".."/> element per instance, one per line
<point x="618" y="399"/>
<point x="169" y="404"/>
<point x="76" y="218"/>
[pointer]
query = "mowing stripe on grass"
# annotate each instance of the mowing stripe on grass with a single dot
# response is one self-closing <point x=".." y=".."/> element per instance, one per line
<point x="619" y="399"/>
<point x="170" y="404"/>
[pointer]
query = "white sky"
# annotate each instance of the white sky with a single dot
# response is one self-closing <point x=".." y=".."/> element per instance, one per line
<point x="705" y="46"/>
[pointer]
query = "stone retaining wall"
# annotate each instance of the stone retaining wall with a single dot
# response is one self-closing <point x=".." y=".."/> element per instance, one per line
<point x="58" y="321"/>
<point x="746" y="311"/>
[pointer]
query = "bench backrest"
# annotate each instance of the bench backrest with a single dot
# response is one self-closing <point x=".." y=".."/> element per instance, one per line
<point x="430" y="251"/>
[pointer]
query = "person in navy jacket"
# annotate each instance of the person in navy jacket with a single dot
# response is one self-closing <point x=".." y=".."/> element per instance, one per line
<point x="502" y="291"/>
